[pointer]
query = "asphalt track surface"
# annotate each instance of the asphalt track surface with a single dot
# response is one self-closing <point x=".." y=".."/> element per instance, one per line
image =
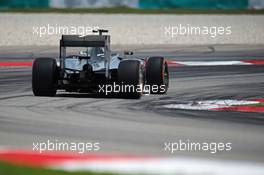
<point x="140" y="127"/>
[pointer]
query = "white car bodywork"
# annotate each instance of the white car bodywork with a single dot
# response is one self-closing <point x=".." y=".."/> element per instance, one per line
<point x="96" y="60"/>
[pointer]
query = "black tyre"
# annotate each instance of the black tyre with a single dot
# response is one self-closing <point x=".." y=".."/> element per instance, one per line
<point x="157" y="75"/>
<point x="44" y="77"/>
<point x="130" y="77"/>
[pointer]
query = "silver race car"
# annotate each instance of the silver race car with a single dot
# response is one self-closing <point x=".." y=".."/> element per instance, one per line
<point x="97" y="70"/>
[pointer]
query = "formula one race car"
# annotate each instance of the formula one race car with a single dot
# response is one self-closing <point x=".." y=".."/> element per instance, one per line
<point x="97" y="70"/>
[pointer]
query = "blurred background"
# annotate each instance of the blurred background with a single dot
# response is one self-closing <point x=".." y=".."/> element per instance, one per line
<point x="211" y="4"/>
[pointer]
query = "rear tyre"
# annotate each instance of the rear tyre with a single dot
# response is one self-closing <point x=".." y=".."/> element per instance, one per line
<point x="157" y="75"/>
<point x="44" y="77"/>
<point x="130" y="77"/>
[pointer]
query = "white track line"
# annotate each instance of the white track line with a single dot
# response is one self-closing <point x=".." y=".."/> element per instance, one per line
<point x="210" y="63"/>
<point x="166" y="166"/>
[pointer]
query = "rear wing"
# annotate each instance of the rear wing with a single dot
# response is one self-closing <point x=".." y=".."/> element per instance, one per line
<point x="85" y="41"/>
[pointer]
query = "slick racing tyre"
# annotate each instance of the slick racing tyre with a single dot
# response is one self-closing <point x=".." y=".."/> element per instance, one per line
<point x="130" y="77"/>
<point x="157" y="75"/>
<point x="44" y="77"/>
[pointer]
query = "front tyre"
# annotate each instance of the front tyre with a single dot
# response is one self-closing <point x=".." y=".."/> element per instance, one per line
<point x="157" y="75"/>
<point x="44" y="77"/>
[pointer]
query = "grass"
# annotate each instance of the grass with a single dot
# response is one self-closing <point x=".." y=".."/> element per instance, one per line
<point x="257" y="105"/>
<point x="125" y="10"/>
<point x="253" y="105"/>
<point x="9" y="169"/>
